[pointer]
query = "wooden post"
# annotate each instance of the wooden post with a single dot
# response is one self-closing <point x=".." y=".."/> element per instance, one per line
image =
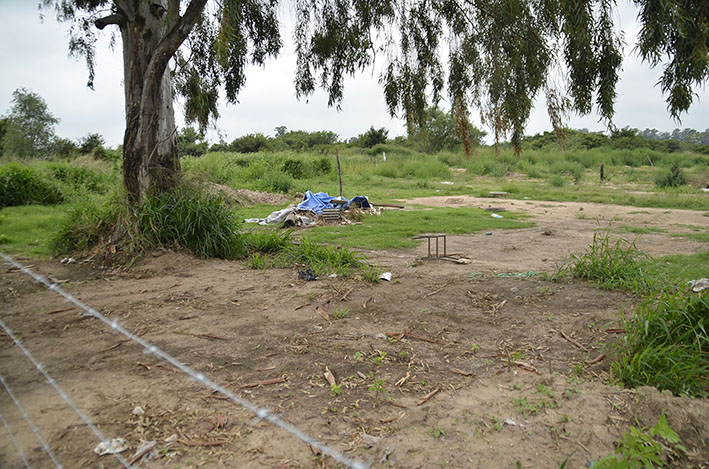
<point x="602" y="172"/>
<point x="339" y="169"/>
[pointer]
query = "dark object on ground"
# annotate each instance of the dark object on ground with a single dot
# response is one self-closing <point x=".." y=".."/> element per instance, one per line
<point x="307" y="275"/>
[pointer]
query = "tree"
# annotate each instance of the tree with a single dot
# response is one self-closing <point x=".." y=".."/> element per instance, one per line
<point x="439" y="131"/>
<point x="500" y="54"/>
<point x="190" y="142"/>
<point x="91" y="141"/>
<point x="4" y="124"/>
<point x="372" y="137"/>
<point x="30" y="126"/>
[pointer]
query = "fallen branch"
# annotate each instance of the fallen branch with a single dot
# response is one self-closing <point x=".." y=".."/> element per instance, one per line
<point x="461" y="372"/>
<point x="322" y="312"/>
<point x="573" y="342"/>
<point x="428" y="396"/>
<point x="598" y="359"/>
<point x="526" y="366"/>
<point x="396" y="404"/>
<point x="403" y="380"/>
<point x="364" y="306"/>
<point x="390" y="419"/>
<point x="266" y="382"/>
<point x="417" y="337"/>
<point x="434" y="292"/>
<point x="345" y="297"/>
<point x="302" y="306"/>
<point x="330" y="377"/>
<point x="148" y="448"/>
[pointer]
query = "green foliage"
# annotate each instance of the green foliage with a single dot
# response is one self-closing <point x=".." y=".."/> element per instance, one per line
<point x="642" y="448"/>
<point x="28" y="229"/>
<point x="672" y="178"/>
<point x="77" y="177"/>
<point x="30" y="129"/>
<point x="294" y="168"/>
<point x="666" y="344"/>
<point x="88" y="143"/>
<point x="372" y="137"/>
<point x="437" y="132"/>
<point x="21" y="184"/>
<point x="322" y="259"/>
<point x="191" y="142"/>
<point x="613" y="265"/>
<point x="191" y="219"/>
<point x="186" y="218"/>
<point x="250" y="143"/>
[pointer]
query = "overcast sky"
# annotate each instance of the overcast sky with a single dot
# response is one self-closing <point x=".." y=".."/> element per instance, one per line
<point x="34" y="56"/>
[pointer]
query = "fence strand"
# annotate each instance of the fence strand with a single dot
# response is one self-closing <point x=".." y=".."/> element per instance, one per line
<point x="14" y="441"/>
<point x="261" y="413"/>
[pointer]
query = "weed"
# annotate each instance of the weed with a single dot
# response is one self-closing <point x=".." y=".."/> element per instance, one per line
<point x="341" y="312"/>
<point x="370" y="273"/>
<point x="380" y="391"/>
<point x="642" y="448"/>
<point x="379" y="358"/>
<point x="437" y="432"/>
<point x="672" y="178"/>
<point x="358" y="357"/>
<point x="403" y="355"/>
<point x="335" y="389"/>
<point x="666" y="344"/>
<point x="21" y="185"/>
<point x="258" y="261"/>
<point x="474" y="347"/>
<point x="563" y="418"/>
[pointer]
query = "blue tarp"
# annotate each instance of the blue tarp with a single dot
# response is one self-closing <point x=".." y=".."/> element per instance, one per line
<point x="317" y="202"/>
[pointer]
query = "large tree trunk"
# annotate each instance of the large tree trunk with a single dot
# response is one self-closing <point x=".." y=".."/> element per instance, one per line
<point x="150" y="162"/>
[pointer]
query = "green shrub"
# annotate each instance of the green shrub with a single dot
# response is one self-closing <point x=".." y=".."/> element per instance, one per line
<point x="191" y="219"/>
<point x="267" y="241"/>
<point x="666" y="345"/>
<point x="276" y="181"/>
<point x="321" y="165"/>
<point x="21" y="185"/>
<point x="620" y="265"/>
<point x="672" y="178"/>
<point x="322" y="259"/>
<point x="294" y="168"/>
<point x="556" y="181"/>
<point x="76" y="176"/>
<point x="87" y="223"/>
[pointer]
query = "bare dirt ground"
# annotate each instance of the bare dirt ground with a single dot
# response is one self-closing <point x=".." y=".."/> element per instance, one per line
<point x="510" y="387"/>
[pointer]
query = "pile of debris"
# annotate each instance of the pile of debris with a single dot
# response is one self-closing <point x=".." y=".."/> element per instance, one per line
<point x="318" y="209"/>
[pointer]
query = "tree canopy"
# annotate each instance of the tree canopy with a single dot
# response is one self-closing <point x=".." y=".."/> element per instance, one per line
<point x="29" y="128"/>
<point x="492" y="56"/>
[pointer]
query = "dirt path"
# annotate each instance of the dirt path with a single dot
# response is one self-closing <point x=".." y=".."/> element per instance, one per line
<point x="510" y="387"/>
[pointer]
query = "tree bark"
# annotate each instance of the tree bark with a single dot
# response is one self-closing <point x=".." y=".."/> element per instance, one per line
<point x="151" y="37"/>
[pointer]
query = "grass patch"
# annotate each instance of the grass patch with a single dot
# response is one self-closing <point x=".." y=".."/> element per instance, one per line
<point x="394" y="229"/>
<point x="701" y="237"/>
<point x="27" y="229"/>
<point x="666" y="344"/>
<point x="640" y="229"/>
<point x="21" y="184"/>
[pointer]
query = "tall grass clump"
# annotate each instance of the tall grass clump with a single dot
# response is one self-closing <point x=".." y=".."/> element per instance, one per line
<point x="666" y="344"/>
<point x="21" y="185"/>
<point x="186" y="218"/>
<point x="77" y="178"/>
<point x="618" y="265"/>
<point x="192" y="219"/>
<point x="323" y="259"/>
<point x="674" y="177"/>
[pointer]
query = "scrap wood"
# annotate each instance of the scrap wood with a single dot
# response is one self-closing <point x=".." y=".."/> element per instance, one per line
<point x="573" y="342"/>
<point x="392" y="419"/>
<point x="598" y="359"/>
<point x="395" y="335"/>
<point x="266" y="382"/>
<point x="268" y="368"/>
<point x="364" y="306"/>
<point x="434" y="292"/>
<point x="322" y="312"/>
<point x="346" y="296"/>
<point x="417" y="337"/>
<point x="302" y="306"/>
<point x="110" y="348"/>
<point x="316" y="452"/>
<point x="330" y="377"/>
<point x="614" y="330"/>
<point x="396" y="404"/>
<point x="221" y="420"/>
<point x="144" y="365"/>
<point x="14" y="270"/>
<point x="387" y="205"/>
<point x="461" y="372"/>
<point x="526" y="366"/>
<point x="428" y="396"/>
<point x="403" y="380"/>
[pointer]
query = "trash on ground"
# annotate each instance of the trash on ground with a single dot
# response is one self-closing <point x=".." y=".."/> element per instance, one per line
<point x="385" y="276"/>
<point x="138" y="410"/>
<point x="112" y="446"/>
<point x="495" y="215"/>
<point x="509" y="422"/>
<point x="530" y="273"/>
<point x="488" y="233"/>
<point x="308" y="275"/>
<point x="145" y="451"/>
<point x="497" y="193"/>
<point x="495" y="209"/>
<point x="68" y="260"/>
<point x="699" y="284"/>
<point x="447" y="183"/>
<point x="380" y="335"/>
<point x="370" y="440"/>
<point x="474" y="275"/>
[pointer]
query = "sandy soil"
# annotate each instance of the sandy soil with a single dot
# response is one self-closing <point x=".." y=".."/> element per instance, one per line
<point x="446" y="332"/>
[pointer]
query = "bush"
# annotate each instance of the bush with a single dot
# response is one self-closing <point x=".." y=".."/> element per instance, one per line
<point x="667" y="345"/>
<point x="21" y="185"/>
<point x="186" y="218"/>
<point x="294" y="168"/>
<point x="672" y="178"/>
<point x="76" y="176"/>
<point x="191" y="219"/>
<point x="321" y="166"/>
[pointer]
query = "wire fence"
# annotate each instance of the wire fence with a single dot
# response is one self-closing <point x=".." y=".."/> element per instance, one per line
<point x="14" y="441"/>
<point x="149" y="348"/>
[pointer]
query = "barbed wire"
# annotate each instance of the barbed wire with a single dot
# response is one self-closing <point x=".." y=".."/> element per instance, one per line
<point x="35" y="430"/>
<point x="149" y="348"/>
<point x="14" y="441"/>
<point x="60" y="391"/>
